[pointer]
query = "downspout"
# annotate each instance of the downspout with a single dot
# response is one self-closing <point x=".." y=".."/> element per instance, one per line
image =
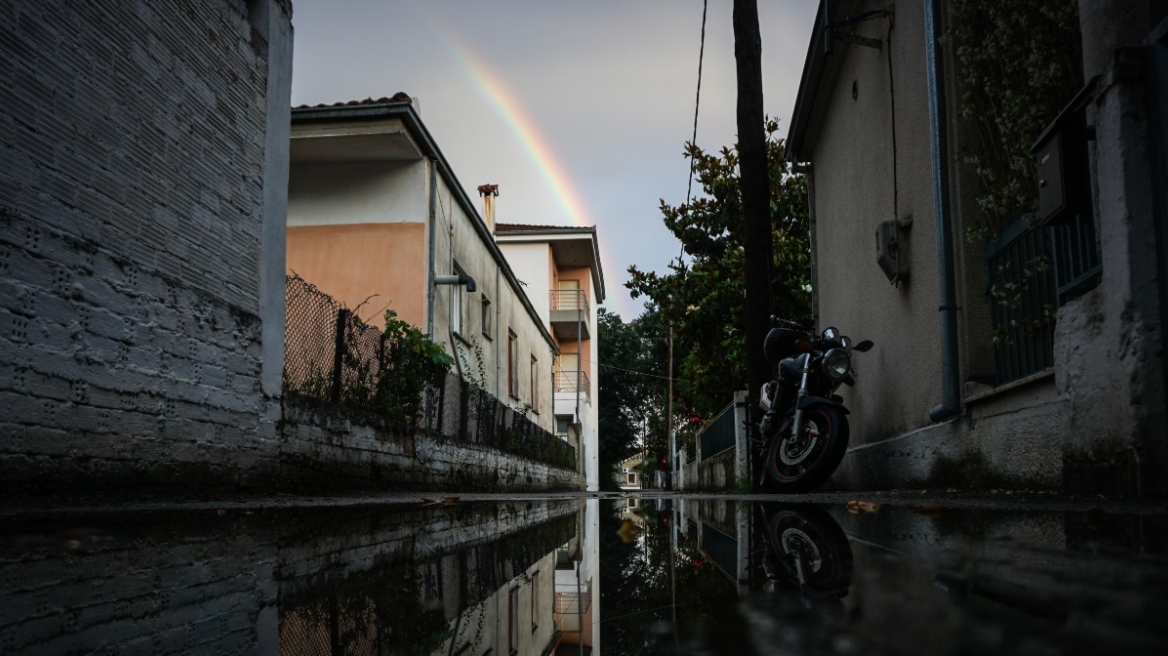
<point x="433" y="220"/>
<point x="950" y="373"/>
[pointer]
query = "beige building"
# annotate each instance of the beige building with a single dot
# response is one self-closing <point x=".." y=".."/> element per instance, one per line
<point x="560" y="267"/>
<point x="378" y="220"/>
<point x="1030" y="361"/>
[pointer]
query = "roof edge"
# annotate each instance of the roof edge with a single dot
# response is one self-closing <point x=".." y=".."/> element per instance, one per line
<point x="808" y="88"/>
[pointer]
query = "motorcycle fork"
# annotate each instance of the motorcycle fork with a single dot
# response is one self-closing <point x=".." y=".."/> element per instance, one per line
<point x="799" y="398"/>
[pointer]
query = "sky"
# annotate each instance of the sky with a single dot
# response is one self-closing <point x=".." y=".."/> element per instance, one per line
<point x="579" y="111"/>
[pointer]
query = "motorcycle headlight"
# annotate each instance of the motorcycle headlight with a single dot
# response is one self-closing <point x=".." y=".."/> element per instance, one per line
<point x="836" y="363"/>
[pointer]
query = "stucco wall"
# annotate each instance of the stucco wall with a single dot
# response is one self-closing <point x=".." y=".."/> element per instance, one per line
<point x="899" y="379"/>
<point x="377" y="266"/>
<point x="338" y="193"/>
<point x="475" y="259"/>
<point x="138" y="180"/>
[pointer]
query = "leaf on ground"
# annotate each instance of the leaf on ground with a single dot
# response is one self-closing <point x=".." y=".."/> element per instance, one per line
<point x="862" y="507"/>
<point x="928" y="511"/>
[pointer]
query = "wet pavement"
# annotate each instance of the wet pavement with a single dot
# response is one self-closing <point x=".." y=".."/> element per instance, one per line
<point x="584" y="574"/>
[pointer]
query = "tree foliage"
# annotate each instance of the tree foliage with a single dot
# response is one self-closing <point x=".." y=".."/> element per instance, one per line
<point x="631" y="381"/>
<point x="703" y="294"/>
<point x="1019" y="64"/>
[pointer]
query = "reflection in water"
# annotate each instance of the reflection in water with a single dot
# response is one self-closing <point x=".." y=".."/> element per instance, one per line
<point x="652" y="576"/>
<point x="726" y="577"/>
<point x="474" y="579"/>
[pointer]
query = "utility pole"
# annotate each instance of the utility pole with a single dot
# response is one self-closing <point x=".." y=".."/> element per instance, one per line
<point x="755" y="185"/>
<point x="669" y="409"/>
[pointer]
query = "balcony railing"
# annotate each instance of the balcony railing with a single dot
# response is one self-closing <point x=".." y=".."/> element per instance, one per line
<point x="570" y="381"/>
<point x="569" y="299"/>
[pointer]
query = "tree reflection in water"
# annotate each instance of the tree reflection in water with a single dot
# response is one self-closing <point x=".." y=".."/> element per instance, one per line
<point x="637" y="590"/>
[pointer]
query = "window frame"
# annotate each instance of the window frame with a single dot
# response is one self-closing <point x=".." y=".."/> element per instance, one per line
<point x="487" y="326"/>
<point x="512" y="364"/>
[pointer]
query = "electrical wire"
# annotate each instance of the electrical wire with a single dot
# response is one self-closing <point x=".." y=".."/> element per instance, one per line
<point x="697" y="101"/>
<point x="892" y="102"/>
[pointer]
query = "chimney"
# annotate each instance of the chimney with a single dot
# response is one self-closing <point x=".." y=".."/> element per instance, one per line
<point x="489" y="192"/>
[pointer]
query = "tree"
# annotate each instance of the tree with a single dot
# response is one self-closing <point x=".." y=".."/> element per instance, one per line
<point x="631" y="372"/>
<point x="703" y="293"/>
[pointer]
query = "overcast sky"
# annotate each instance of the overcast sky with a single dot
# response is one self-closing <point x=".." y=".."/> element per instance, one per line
<point x="577" y="110"/>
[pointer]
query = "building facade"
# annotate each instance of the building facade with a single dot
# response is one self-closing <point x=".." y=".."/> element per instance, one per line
<point x="1033" y="359"/>
<point x="562" y="271"/>
<point x="143" y="176"/>
<point x="377" y="219"/>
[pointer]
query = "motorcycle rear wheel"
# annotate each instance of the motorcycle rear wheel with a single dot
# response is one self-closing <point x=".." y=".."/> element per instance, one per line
<point x="814" y="467"/>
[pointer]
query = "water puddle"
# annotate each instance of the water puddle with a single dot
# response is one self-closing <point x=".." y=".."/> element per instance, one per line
<point x="574" y="576"/>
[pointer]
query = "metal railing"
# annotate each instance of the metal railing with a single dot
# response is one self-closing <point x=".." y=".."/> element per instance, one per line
<point x="1023" y="301"/>
<point x="570" y="381"/>
<point x="332" y="357"/>
<point x="1034" y="270"/>
<point x="569" y="299"/>
<point x="1076" y="257"/>
<point x="719" y="435"/>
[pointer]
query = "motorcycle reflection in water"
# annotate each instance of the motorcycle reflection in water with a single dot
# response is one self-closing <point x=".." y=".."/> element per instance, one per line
<point x="805" y="551"/>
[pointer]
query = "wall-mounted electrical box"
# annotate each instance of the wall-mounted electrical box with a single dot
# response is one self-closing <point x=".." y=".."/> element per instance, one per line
<point x="1064" y="176"/>
<point x="892" y="249"/>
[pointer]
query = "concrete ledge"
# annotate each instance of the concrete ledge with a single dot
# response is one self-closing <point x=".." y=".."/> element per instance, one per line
<point x="1005" y="441"/>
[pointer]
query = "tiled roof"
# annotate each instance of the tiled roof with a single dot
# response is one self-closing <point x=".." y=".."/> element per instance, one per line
<point x="399" y="97"/>
<point x="524" y="227"/>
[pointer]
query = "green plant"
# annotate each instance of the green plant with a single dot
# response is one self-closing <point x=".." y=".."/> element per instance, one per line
<point x="1018" y="64"/>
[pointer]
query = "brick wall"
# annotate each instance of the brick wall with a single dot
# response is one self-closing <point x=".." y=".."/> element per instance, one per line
<point x="132" y="211"/>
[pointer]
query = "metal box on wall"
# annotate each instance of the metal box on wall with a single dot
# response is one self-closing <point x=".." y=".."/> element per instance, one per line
<point x="891" y="250"/>
<point x="1064" y="175"/>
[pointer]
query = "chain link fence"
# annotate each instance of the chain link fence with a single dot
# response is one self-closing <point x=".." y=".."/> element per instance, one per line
<point x="332" y="357"/>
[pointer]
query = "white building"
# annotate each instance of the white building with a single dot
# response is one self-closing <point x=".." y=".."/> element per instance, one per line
<point x="560" y="268"/>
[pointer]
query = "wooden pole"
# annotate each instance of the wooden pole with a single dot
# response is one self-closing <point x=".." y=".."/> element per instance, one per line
<point x="755" y="186"/>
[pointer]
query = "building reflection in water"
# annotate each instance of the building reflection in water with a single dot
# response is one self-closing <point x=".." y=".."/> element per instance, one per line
<point x="471" y="579"/>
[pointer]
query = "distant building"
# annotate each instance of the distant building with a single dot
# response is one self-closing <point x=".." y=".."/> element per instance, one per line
<point x="378" y="220"/>
<point x="628" y="474"/>
<point x="561" y="268"/>
<point x="1033" y="361"/>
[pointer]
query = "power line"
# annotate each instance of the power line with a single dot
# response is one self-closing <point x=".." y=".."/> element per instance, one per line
<point x="697" y="102"/>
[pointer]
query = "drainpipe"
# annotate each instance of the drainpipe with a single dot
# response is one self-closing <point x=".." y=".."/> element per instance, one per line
<point x="950" y="374"/>
<point x="433" y="220"/>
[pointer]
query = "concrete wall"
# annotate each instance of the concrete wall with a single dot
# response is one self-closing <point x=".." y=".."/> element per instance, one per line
<point x="327" y="451"/>
<point x="140" y="173"/>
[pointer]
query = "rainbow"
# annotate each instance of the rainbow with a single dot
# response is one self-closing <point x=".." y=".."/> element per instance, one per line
<point x="520" y="124"/>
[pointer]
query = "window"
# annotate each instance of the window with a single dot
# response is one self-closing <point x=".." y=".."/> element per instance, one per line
<point x="456" y="304"/>
<point x="632" y="478"/>
<point x="513" y="621"/>
<point x="563" y="422"/>
<point x="534" y="375"/>
<point x="512" y="365"/>
<point x="487" y="325"/>
<point x="534" y="597"/>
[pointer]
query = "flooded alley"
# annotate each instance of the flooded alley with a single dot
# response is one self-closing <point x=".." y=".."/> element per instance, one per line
<point x="618" y="575"/>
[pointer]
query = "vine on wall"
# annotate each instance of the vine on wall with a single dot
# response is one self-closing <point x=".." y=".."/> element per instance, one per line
<point x="1019" y="63"/>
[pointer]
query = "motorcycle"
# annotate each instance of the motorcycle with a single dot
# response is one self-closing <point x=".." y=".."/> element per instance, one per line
<point x="804" y="427"/>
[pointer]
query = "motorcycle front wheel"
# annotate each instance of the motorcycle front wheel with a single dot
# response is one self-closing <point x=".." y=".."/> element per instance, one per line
<point x="803" y="463"/>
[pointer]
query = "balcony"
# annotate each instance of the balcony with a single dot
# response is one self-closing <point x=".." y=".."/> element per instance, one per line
<point x="569" y="313"/>
<point x="567" y="382"/>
